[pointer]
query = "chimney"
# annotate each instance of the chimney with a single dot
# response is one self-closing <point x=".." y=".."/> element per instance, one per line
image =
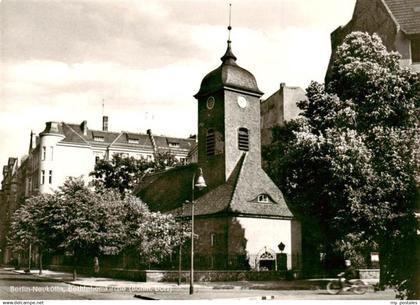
<point x="83" y="127"/>
<point x="105" y="123"/>
<point x="152" y="140"/>
<point x="32" y="144"/>
<point x="282" y="85"/>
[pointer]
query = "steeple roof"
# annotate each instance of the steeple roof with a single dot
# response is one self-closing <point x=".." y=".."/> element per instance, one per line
<point x="228" y="75"/>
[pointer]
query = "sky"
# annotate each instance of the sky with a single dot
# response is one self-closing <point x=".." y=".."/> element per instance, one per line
<point x="145" y="59"/>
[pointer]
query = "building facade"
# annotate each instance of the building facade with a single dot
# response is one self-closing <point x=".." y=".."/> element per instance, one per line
<point x="279" y="108"/>
<point x="397" y="22"/>
<point x="64" y="150"/>
<point x="241" y="218"/>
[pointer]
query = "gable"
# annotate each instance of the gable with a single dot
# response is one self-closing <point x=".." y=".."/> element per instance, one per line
<point x="253" y="182"/>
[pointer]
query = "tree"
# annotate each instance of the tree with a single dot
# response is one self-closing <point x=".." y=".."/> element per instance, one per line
<point x="153" y="235"/>
<point x="348" y="165"/>
<point x="124" y="173"/>
<point x="89" y="222"/>
<point x="31" y="226"/>
<point x="83" y="222"/>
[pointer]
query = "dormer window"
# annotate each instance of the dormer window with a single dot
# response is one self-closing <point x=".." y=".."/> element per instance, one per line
<point x="133" y="141"/>
<point x="210" y="142"/>
<point x="415" y="51"/>
<point x="243" y="139"/>
<point x="98" y="139"/>
<point x="173" y="144"/>
<point x="263" y="198"/>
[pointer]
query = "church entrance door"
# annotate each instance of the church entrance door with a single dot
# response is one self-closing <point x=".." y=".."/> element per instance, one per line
<point x="267" y="265"/>
<point x="266" y="260"/>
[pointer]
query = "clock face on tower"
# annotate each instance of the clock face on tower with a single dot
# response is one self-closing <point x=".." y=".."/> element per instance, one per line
<point x="210" y="102"/>
<point x="242" y="102"/>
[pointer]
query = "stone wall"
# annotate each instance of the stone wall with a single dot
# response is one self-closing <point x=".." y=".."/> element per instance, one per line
<point x="172" y="276"/>
<point x="369" y="274"/>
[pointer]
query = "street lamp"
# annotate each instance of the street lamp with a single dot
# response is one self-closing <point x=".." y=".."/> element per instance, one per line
<point x="200" y="184"/>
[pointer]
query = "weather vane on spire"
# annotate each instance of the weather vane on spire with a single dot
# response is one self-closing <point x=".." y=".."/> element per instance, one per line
<point x="230" y="13"/>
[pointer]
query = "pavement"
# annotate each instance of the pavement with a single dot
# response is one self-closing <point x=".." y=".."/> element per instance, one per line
<point x="207" y="290"/>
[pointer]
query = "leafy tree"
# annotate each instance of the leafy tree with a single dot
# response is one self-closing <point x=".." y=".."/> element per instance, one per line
<point x="83" y="222"/>
<point x="348" y="164"/>
<point x="31" y="226"/>
<point x="124" y="173"/>
<point x="153" y="235"/>
<point x="89" y="222"/>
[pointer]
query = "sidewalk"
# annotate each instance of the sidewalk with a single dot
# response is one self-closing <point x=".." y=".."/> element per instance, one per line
<point x="101" y="282"/>
<point x="107" y="288"/>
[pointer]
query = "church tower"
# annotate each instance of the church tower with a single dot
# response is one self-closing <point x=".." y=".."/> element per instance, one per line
<point x="241" y="217"/>
<point x="228" y="118"/>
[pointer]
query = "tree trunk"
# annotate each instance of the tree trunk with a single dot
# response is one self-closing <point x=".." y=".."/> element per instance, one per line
<point x="74" y="265"/>
<point x="96" y="265"/>
<point x="40" y="260"/>
<point x="382" y="268"/>
<point x="29" y="257"/>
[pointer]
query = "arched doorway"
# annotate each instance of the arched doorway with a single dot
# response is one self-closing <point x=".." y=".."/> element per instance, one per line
<point x="266" y="260"/>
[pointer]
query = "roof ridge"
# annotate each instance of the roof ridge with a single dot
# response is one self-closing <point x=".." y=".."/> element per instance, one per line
<point x="84" y="140"/>
<point x="233" y="179"/>
<point x="115" y="140"/>
<point x="388" y="9"/>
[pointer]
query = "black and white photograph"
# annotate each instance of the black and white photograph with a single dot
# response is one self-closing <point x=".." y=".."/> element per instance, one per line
<point x="210" y="150"/>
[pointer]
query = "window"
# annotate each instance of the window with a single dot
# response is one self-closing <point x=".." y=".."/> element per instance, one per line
<point x="212" y="239"/>
<point x="42" y="176"/>
<point x="183" y="160"/>
<point x="210" y="142"/>
<point x="50" y="177"/>
<point x="51" y="152"/>
<point x="149" y="158"/>
<point x="98" y="139"/>
<point x="415" y="50"/>
<point x="97" y="158"/>
<point x="263" y="198"/>
<point x="44" y="152"/>
<point x="173" y="144"/>
<point x="243" y="139"/>
<point x="133" y="141"/>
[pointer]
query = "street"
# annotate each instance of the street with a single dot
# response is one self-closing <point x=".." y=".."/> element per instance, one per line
<point x="14" y="286"/>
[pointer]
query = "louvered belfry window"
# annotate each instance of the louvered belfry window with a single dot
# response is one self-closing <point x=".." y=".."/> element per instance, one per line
<point x="210" y="142"/>
<point x="243" y="139"/>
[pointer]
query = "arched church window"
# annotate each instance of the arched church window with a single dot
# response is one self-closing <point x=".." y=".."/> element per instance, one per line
<point x="243" y="139"/>
<point x="210" y="142"/>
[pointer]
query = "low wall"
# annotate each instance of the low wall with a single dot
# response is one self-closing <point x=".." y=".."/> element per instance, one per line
<point x="215" y="275"/>
<point x="368" y="274"/>
<point x="116" y="273"/>
<point x="172" y="276"/>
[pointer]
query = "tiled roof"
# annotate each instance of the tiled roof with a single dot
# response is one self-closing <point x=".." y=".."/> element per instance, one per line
<point x="163" y="142"/>
<point x="216" y="200"/>
<point x="128" y="137"/>
<point x="406" y="13"/>
<point x="169" y="190"/>
<point x="251" y="183"/>
<point x="73" y="133"/>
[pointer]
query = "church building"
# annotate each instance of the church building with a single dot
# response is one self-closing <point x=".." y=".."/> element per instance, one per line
<point x="241" y="218"/>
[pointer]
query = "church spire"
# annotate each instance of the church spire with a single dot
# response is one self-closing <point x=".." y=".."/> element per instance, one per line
<point x="229" y="58"/>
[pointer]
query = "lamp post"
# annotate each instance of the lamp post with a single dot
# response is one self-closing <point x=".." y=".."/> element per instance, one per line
<point x="180" y="249"/>
<point x="201" y="183"/>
